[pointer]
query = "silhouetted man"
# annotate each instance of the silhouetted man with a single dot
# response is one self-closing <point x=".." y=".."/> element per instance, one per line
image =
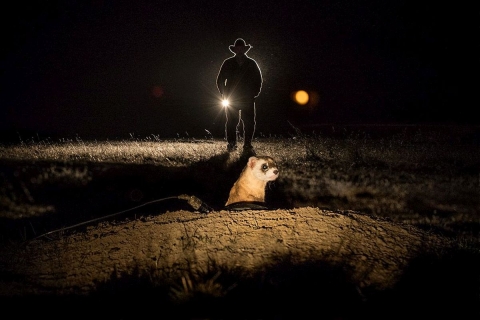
<point x="240" y="82"/>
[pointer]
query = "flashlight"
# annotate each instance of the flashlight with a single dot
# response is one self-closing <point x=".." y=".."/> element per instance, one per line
<point x="225" y="103"/>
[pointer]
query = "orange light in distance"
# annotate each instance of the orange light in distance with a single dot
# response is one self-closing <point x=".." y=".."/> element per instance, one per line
<point x="301" y="97"/>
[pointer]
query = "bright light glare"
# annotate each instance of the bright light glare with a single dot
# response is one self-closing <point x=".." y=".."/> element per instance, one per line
<point x="225" y="103"/>
<point x="301" y="97"/>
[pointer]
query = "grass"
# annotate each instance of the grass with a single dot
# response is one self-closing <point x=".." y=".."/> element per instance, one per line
<point x="425" y="176"/>
<point x="418" y="175"/>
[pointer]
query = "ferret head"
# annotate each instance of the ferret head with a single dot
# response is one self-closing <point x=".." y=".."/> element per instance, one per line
<point x="263" y="168"/>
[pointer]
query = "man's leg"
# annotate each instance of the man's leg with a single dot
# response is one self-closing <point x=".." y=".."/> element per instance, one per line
<point x="232" y="118"/>
<point x="240" y="128"/>
<point x="248" y="117"/>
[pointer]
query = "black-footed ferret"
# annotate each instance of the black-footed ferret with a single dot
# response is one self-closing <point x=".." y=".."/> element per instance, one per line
<point x="250" y="186"/>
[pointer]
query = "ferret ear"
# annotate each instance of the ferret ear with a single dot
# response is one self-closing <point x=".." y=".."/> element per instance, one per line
<point x="251" y="161"/>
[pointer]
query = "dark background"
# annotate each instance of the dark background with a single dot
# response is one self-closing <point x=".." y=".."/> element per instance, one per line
<point x="117" y="69"/>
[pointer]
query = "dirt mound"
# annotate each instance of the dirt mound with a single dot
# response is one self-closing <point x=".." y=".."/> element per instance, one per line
<point x="374" y="251"/>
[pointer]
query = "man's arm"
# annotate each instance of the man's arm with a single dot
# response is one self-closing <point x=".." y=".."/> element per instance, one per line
<point x="221" y="79"/>
<point x="257" y="79"/>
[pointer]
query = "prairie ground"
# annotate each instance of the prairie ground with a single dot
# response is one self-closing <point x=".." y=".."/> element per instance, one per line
<point x="358" y="220"/>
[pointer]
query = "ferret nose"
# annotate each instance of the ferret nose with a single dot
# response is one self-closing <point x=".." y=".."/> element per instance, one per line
<point x="275" y="172"/>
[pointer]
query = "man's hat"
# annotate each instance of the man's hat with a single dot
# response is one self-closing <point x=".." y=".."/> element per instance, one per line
<point x="239" y="46"/>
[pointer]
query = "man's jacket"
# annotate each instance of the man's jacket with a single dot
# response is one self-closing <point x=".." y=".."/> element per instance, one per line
<point x="239" y="83"/>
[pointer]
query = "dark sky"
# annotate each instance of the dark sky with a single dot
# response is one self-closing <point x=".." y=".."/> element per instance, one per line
<point x="111" y="69"/>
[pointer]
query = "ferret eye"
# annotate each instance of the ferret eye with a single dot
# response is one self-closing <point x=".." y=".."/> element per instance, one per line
<point x="264" y="167"/>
